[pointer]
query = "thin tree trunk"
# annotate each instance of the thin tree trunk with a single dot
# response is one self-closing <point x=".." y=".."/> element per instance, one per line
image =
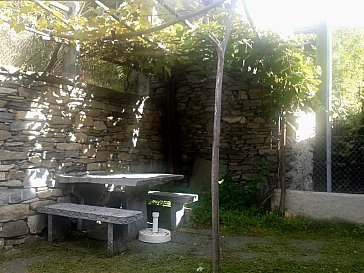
<point x="282" y="163"/>
<point x="215" y="165"/>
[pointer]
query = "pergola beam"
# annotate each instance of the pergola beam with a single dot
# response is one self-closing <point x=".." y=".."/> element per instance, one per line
<point x="45" y="7"/>
<point x="140" y="33"/>
<point x="60" y="6"/>
<point x="107" y="10"/>
<point x="165" y="25"/>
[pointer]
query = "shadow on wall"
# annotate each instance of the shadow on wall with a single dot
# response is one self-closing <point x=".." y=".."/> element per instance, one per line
<point x="56" y="126"/>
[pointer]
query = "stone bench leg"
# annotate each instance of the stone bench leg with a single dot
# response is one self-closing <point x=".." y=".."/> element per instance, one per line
<point x="177" y="213"/>
<point x="117" y="237"/>
<point x="58" y="227"/>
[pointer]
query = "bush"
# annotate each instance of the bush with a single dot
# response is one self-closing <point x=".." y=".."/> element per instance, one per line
<point x="234" y="196"/>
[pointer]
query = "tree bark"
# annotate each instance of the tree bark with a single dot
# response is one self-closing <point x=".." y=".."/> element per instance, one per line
<point x="220" y="48"/>
<point x="282" y="163"/>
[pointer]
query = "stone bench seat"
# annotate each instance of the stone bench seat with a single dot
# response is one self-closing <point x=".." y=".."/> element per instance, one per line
<point x="117" y="222"/>
<point x="178" y="202"/>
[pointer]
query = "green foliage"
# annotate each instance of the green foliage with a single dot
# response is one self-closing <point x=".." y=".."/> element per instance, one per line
<point x="282" y="67"/>
<point x="348" y="71"/>
<point x="233" y="196"/>
<point x="241" y="196"/>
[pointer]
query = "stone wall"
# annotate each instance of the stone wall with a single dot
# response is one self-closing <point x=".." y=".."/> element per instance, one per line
<point x="246" y="130"/>
<point x="56" y="127"/>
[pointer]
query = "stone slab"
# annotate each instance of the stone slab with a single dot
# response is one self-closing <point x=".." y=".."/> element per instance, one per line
<point x="6" y="117"/>
<point x="36" y="178"/>
<point x="10" y="155"/>
<point x="13" y="229"/>
<point x="36" y="204"/>
<point x="13" y="212"/>
<point x="37" y="223"/>
<point x="68" y="146"/>
<point x="83" y="120"/>
<point x="5" y="168"/>
<point x="5" y="90"/>
<point x="2" y="176"/>
<point x="30" y="115"/>
<point x="94" y="213"/>
<point x="183" y="198"/>
<point x="77" y="137"/>
<point x="99" y="125"/>
<point x="4" y="135"/>
<point x="11" y="183"/>
<point x="12" y="196"/>
<point x="49" y="193"/>
<point x="28" y="125"/>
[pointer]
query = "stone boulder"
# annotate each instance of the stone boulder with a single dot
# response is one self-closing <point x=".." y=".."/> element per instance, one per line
<point x="14" y="229"/>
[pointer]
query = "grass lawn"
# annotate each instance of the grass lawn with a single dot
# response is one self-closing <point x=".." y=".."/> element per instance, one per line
<point x="251" y="242"/>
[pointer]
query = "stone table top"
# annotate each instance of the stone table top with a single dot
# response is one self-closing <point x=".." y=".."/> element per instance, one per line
<point x="131" y="180"/>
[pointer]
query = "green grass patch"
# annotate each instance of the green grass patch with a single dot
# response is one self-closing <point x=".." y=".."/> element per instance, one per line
<point x="260" y="254"/>
<point x="260" y="222"/>
<point x="252" y="240"/>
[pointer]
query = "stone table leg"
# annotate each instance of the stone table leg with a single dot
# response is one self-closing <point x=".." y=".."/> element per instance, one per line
<point x="136" y="199"/>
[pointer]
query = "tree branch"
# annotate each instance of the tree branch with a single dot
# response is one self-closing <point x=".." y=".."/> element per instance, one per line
<point x="250" y="20"/>
<point x="53" y="58"/>
<point x="175" y="13"/>
<point x="229" y="26"/>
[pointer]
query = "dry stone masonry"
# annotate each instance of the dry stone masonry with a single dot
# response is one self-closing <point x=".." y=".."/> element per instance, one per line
<point x="57" y="127"/>
<point x="246" y="130"/>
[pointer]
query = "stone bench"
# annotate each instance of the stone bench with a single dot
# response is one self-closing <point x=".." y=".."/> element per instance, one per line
<point x="178" y="202"/>
<point x="117" y="222"/>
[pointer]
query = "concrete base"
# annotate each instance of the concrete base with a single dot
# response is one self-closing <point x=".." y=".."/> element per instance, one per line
<point x="148" y="236"/>
<point x="323" y="205"/>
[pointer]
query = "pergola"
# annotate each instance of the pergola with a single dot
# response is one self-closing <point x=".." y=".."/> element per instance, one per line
<point x="184" y="14"/>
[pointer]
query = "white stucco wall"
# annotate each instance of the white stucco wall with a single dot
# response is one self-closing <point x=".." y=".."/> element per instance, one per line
<point x="324" y="206"/>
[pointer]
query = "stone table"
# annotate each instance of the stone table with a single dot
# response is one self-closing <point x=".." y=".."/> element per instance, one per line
<point x="134" y="186"/>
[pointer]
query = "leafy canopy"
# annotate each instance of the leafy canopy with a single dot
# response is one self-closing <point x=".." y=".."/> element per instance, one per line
<point x="348" y="70"/>
<point x="282" y="67"/>
<point x="348" y="80"/>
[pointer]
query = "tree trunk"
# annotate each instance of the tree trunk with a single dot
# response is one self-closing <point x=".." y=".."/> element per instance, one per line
<point x="215" y="165"/>
<point x="282" y="163"/>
